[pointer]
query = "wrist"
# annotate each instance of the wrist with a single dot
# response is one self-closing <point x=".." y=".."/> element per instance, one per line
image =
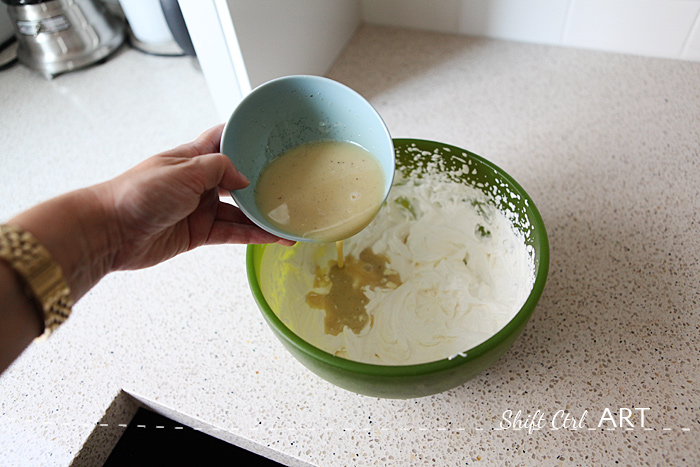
<point x="20" y="319"/>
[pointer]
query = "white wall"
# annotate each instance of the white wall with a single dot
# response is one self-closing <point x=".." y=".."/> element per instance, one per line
<point x="283" y="37"/>
<point x="241" y="44"/>
<point x="657" y="28"/>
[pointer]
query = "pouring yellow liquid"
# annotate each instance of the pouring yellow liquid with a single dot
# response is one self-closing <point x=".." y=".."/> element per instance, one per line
<point x="325" y="191"/>
<point x="339" y="253"/>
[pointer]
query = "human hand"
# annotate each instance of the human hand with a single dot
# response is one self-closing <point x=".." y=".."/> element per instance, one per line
<point x="164" y="206"/>
<point x="170" y="203"/>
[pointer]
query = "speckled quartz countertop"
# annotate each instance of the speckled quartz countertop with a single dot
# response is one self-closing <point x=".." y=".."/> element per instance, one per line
<point x="607" y="145"/>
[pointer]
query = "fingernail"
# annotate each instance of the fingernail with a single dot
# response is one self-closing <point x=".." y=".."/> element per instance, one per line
<point x="242" y="178"/>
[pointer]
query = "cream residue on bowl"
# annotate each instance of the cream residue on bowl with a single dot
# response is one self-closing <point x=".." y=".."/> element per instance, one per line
<point x="465" y="273"/>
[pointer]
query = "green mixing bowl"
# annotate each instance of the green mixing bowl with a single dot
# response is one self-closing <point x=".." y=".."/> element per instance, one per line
<point x="410" y="381"/>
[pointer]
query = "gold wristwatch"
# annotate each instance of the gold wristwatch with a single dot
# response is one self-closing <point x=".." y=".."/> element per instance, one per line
<point x="44" y="282"/>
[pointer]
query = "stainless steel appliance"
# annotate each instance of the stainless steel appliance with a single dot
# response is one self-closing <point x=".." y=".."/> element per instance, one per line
<point x="56" y="36"/>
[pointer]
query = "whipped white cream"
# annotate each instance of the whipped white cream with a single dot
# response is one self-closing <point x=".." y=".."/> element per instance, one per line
<point x="465" y="273"/>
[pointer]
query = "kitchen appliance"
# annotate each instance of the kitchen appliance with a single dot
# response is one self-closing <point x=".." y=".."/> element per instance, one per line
<point x="157" y="27"/>
<point x="57" y="36"/>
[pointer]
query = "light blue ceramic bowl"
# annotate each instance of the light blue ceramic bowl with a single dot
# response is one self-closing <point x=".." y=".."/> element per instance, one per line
<point x="293" y="110"/>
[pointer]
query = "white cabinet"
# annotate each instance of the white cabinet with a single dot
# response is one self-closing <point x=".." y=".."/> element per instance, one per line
<point x="243" y="43"/>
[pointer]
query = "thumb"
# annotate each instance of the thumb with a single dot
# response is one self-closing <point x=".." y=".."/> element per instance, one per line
<point x="218" y="170"/>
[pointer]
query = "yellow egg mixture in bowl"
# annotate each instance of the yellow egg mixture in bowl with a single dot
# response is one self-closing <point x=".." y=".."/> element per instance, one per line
<point x="430" y="294"/>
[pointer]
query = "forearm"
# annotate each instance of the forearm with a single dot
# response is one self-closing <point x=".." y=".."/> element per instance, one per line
<point x="81" y="236"/>
<point x="20" y="321"/>
<point x="78" y="231"/>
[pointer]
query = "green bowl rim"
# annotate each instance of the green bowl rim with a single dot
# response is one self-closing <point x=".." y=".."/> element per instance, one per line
<point x="521" y="317"/>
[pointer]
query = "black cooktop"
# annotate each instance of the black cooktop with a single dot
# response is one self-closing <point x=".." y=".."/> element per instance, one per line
<point x="152" y="439"/>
